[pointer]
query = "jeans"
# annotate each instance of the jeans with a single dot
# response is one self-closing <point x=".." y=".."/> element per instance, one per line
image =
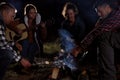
<point x="107" y="42"/>
<point x="5" y="60"/>
<point x="29" y="50"/>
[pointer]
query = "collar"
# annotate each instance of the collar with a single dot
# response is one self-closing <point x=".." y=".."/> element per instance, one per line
<point x="38" y="19"/>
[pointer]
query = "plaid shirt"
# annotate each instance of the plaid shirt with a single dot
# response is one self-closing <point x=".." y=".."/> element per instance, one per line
<point x="4" y="44"/>
<point x="110" y="23"/>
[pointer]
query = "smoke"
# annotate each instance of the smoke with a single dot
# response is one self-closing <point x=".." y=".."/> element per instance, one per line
<point x="66" y="40"/>
<point x="67" y="44"/>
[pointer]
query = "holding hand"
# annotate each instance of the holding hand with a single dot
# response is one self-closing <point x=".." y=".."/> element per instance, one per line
<point x="77" y="50"/>
<point x="25" y="63"/>
<point x="19" y="46"/>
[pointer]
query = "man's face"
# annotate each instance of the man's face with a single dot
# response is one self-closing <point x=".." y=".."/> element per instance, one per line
<point x="103" y="11"/>
<point x="8" y="16"/>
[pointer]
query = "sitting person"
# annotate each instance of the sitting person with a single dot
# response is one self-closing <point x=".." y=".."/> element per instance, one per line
<point x="30" y="45"/>
<point x="73" y="23"/>
<point x="71" y="32"/>
<point x="7" y="54"/>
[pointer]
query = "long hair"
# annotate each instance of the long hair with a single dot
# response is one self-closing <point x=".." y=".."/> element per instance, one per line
<point x="67" y="6"/>
<point x="28" y="7"/>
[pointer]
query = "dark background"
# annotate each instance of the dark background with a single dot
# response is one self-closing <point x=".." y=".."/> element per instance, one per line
<point x="51" y="9"/>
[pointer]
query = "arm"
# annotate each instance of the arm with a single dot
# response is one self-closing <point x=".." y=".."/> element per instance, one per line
<point x="109" y="24"/>
<point x="6" y="45"/>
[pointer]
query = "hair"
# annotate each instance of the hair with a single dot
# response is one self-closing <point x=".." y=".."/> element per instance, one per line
<point x="112" y="3"/>
<point x="67" y="6"/>
<point x="28" y="7"/>
<point x="6" y="7"/>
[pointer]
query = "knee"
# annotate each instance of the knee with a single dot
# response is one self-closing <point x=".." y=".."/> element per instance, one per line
<point x="7" y="56"/>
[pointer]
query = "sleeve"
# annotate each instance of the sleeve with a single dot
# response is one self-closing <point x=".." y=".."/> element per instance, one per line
<point x="4" y="44"/>
<point x="11" y="43"/>
<point x="108" y="25"/>
<point x="16" y="57"/>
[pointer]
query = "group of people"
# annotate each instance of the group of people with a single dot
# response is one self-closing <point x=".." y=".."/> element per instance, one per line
<point x="25" y="39"/>
<point x="105" y="33"/>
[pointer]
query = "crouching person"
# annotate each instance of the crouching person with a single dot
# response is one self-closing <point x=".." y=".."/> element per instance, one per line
<point x="7" y="54"/>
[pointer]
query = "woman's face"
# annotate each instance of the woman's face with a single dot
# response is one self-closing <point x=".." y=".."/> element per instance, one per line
<point x="32" y="14"/>
<point x="70" y="14"/>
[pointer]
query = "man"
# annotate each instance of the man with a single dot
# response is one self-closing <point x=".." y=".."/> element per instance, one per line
<point x="7" y="15"/>
<point x="108" y="37"/>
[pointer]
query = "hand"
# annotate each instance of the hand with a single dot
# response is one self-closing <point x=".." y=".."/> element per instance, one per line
<point x="76" y="51"/>
<point x="15" y="22"/>
<point x="19" y="32"/>
<point x="19" y="46"/>
<point x="43" y="24"/>
<point x="25" y="63"/>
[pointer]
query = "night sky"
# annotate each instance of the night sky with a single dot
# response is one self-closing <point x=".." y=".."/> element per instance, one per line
<point x="53" y="8"/>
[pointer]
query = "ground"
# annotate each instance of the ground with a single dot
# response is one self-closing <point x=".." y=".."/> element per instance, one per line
<point x="44" y="72"/>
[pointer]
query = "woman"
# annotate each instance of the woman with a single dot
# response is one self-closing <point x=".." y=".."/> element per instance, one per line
<point x="73" y="23"/>
<point x="32" y="21"/>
